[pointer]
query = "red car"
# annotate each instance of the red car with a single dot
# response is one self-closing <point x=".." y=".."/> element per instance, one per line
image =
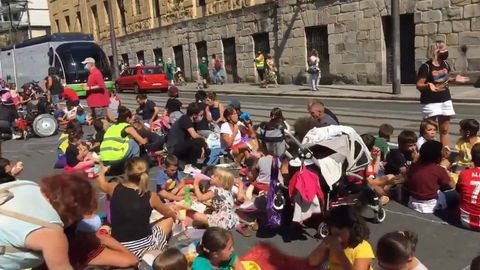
<point x="142" y="78"/>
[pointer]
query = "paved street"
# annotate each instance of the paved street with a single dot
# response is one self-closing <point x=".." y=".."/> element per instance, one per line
<point x="441" y="246"/>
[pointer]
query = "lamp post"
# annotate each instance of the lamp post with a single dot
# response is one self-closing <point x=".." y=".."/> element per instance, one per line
<point x="396" y="87"/>
<point x="113" y="40"/>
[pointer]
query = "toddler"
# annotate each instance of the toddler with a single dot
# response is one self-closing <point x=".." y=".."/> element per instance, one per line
<point x="223" y="202"/>
<point x="170" y="259"/>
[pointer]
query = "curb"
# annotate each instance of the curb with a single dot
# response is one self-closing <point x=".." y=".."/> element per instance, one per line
<point x="389" y="98"/>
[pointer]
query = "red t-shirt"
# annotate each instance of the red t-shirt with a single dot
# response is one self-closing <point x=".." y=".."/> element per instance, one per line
<point x="98" y="97"/>
<point x="468" y="186"/>
<point x="424" y="181"/>
<point x="69" y="94"/>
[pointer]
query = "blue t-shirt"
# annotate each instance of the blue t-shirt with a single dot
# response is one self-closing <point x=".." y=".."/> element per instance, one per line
<point x="202" y="263"/>
<point x="162" y="178"/>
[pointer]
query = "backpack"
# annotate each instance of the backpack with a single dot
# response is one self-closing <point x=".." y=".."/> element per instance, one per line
<point x="272" y="138"/>
<point x="218" y="65"/>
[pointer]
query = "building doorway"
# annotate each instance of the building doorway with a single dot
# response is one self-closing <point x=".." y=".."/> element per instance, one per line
<point x="407" y="48"/>
<point x="179" y="62"/>
<point x="141" y="57"/>
<point x="125" y="58"/>
<point x="201" y="47"/>
<point x="230" y="60"/>
<point x="262" y="43"/>
<point x="158" y="54"/>
<point x="317" y="38"/>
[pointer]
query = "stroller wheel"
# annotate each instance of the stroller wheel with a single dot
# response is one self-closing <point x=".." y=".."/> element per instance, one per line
<point x="45" y="125"/>
<point x="380" y="215"/>
<point x="322" y="230"/>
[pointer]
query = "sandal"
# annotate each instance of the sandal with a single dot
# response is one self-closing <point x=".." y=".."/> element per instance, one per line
<point x="244" y="230"/>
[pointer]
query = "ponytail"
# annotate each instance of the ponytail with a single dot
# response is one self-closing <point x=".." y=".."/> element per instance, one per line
<point x="143" y="183"/>
<point x="136" y="171"/>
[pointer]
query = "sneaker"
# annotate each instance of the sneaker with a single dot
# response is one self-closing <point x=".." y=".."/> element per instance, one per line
<point x="16" y="137"/>
<point x="189" y="169"/>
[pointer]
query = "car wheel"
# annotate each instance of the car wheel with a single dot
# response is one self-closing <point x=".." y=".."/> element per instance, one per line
<point x="136" y="89"/>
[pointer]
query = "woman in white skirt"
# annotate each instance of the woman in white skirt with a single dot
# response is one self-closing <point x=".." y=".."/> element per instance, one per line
<point x="432" y="82"/>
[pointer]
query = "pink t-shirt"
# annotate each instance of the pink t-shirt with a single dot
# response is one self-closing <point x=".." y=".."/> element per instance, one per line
<point x="98" y="97"/>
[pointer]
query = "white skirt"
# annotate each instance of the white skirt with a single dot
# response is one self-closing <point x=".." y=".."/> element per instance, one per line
<point x="438" y="109"/>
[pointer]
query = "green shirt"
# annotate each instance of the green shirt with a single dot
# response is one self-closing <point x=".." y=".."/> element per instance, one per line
<point x="202" y="263"/>
<point x="383" y="146"/>
<point x="203" y="68"/>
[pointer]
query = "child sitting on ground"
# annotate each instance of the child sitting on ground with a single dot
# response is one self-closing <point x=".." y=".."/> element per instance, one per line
<point x="385" y="131"/>
<point x="347" y="244"/>
<point x="396" y="250"/>
<point x="468" y="130"/>
<point x="170" y="181"/>
<point x="170" y="259"/>
<point x="223" y="202"/>
<point x="8" y="173"/>
<point x="216" y="251"/>
<point x="428" y="132"/>
<point x="78" y="155"/>
<point x="426" y="178"/>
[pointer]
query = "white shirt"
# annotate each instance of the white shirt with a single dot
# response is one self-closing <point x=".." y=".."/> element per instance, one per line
<point x="225" y="129"/>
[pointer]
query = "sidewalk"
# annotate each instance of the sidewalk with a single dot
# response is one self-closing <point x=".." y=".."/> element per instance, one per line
<point x="460" y="94"/>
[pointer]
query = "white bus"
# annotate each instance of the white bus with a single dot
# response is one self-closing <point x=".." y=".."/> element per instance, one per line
<point x="29" y="60"/>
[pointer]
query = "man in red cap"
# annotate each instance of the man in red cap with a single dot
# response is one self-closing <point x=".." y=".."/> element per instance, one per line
<point x="97" y="95"/>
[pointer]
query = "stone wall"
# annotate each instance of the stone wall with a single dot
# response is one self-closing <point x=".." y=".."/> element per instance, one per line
<point x="356" y="41"/>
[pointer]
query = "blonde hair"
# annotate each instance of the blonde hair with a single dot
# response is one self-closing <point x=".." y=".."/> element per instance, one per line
<point x="136" y="171"/>
<point x="432" y="51"/>
<point x="225" y="177"/>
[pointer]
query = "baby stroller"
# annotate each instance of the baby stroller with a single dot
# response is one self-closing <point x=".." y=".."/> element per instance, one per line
<point x="339" y="155"/>
<point x="179" y="79"/>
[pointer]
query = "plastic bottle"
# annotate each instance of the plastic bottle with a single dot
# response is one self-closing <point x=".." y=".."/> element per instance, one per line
<point x="186" y="197"/>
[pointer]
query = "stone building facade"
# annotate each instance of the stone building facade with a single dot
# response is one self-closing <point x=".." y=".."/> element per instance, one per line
<point x="352" y="36"/>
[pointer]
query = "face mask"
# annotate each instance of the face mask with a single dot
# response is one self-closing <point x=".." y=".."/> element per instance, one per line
<point x="443" y="55"/>
<point x="92" y="224"/>
<point x="87" y="67"/>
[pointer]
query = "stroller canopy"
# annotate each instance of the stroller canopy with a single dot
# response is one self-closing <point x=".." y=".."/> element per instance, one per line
<point x="348" y="147"/>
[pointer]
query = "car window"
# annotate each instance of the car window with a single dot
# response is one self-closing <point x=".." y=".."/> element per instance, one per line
<point x="153" y="70"/>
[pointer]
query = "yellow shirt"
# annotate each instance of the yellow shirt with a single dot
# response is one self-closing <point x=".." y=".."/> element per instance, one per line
<point x="361" y="251"/>
<point x="464" y="151"/>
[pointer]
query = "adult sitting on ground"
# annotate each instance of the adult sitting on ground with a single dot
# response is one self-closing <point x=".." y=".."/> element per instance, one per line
<point x="232" y="132"/>
<point x="35" y="233"/>
<point x="121" y="141"/>
<point x="319" y="112"/>
<point x="147" y="110"/>
<point x="183" y="140"/>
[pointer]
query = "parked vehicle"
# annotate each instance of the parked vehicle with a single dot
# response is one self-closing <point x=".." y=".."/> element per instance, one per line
<point x="30" y="59"/>
<point x="142" y="78"/>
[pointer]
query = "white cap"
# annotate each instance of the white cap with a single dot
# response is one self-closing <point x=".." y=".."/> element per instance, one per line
<point x="88" y="60"/>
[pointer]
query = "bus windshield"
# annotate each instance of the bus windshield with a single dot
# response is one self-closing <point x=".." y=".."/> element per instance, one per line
<point x="72" y="55"/>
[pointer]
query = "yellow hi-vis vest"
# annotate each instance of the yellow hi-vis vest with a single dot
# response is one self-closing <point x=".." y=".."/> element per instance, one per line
<point x="63" y="143"/>
<point x="114" y="146"/>
<point x="259" y="63"/>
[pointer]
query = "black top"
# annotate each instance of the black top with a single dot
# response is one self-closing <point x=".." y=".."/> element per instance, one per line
<point x="438" y="76"/>
<point x="179" y="134"/>
<point x="173" y="105"/>
<point x="56" y="88"/>
<point x="155" y="141"/>
<point x="71" y="154"/>
<point x="202" y="124"/>
<point x="146" y="110"/>
<point x="396" y="159"/>
<point x="6" y="178"/>
<point x="8" y="113"/>
<point x="99" y="136"/>
<point x="130" y="214"/>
